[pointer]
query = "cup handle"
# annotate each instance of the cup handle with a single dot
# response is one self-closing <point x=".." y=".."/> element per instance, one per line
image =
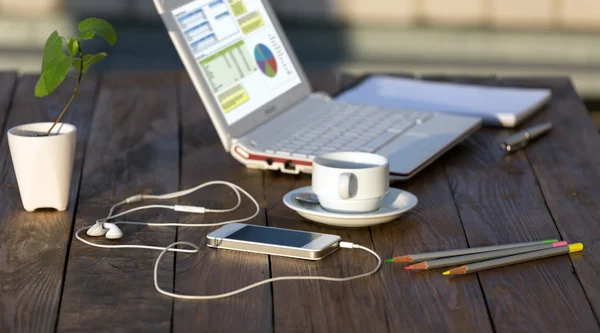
<point x="344" y="185"/>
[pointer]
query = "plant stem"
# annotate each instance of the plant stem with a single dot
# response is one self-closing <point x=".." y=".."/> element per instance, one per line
<point x="72" y="96"/>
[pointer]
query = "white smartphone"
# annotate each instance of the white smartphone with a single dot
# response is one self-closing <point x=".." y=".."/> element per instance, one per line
<point x="273" y="241"/>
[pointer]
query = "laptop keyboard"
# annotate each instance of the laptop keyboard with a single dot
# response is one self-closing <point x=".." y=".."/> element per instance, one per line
<point x="346" y="127"/>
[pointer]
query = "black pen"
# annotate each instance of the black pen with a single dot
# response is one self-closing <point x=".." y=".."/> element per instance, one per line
<point x="521" y="139"/>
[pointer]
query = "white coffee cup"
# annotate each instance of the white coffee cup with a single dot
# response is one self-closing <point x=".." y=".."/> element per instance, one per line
<point x="350" y="182"/>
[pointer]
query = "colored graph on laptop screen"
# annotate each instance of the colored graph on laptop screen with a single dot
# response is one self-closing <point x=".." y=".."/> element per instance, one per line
<point x="239" y="53"/>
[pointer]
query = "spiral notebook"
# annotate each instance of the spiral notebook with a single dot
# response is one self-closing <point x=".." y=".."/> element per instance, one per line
<point x="497" y="106"/>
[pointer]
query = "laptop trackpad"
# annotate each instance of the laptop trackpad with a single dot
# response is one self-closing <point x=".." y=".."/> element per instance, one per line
<point x="411" y="150"/>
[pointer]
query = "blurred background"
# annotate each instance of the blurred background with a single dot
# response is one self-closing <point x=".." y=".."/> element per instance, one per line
<point x="479" y="37"/>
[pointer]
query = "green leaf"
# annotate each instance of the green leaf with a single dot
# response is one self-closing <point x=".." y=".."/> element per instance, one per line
<point x="88" y="60"/>
<point x="86" y="35"/>
<point x="55" y="65"/>
<point x="92" y="26"/>
<point x="52" y="49"/>
<point x="53" y="75"/>
<point x="73" y="46"/>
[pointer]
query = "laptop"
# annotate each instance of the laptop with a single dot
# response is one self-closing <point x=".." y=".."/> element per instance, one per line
<point x="263" y="108"/>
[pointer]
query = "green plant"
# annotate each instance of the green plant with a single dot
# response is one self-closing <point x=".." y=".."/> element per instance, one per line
<point x="56" y="63"/>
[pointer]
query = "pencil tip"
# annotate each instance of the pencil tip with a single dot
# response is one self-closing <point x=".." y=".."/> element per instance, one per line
<point x="389" y="260"/>
<point x="402" y="259"/>
<point x="421" y="265"/>
<point x="408" y="267"/>
<point x="546" y="241"/>
<point x="446" y="273"/>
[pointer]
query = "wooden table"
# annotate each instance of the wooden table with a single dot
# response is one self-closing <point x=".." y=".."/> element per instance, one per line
<point x="149" y="133"/>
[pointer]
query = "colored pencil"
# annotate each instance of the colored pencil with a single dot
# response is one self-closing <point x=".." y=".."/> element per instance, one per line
<point x="410" y="258"/>
<point x="519" y="258"/>
<point x="470" y="258"/>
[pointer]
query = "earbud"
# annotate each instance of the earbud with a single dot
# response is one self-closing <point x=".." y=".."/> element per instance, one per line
<point x="97" y="230"/>
<point x="110" y="230"/>
<point x="113" y="232"/>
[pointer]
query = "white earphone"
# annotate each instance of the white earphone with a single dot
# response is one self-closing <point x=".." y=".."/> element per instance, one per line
<point x="110" y="230"/>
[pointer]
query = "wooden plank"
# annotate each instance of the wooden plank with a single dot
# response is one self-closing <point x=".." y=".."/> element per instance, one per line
<point x="380" y="303"/>
<point x="433" y="225"/>
<point x="133" y="148"/>
<point x="318" y="305"/>
<point x="567" y="164"/>
<point x="216" y="271"/>
<point x="499" y="201"/>
<point x="34" y="245"/>
<point x="8" y="80"/>
<point x="425" y="301"/>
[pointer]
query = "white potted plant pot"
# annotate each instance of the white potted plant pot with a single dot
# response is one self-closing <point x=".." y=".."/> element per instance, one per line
<point x="43" y="164"/>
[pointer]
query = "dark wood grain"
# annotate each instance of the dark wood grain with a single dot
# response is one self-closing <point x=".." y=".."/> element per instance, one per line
<point x="425" y="301"/>
<point x="33" y="246"/>
<point x="133" y="148"/>
<point x="320" y="306"/>
<point x="216" y="271"/>
<point x="150" y="133"/>
<point x="8" y="81"/>
<point x="567" y="167"/>
<point x="499" y="201"/>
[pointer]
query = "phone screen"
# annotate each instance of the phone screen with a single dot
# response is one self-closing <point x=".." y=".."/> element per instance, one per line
<point x="274" y="236"/>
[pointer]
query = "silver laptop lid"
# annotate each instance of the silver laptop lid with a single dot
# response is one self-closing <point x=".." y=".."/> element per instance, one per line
<point x="239" y="59"/>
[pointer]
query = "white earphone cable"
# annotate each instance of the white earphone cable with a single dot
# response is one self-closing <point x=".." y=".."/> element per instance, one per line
<point x="195" y="248"/>
<point x="147" y="247"/>
<point x="140" y="197"/>
<point x="259" y="283"/>
<point x="137" y="198"/>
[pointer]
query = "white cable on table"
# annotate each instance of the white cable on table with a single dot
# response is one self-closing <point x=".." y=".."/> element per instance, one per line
<point x="141" y="197"/>
<point x="254" y="285"/>
<point x="195" y="248"/>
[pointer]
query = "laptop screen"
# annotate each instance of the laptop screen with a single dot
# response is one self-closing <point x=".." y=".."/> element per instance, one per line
<point x="239" y="52"/>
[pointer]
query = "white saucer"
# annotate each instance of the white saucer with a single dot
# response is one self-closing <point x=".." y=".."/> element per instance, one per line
<point x="394" y="204"/>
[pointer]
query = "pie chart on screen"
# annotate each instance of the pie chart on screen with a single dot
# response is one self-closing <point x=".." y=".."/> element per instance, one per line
<point x="265" y="60"/>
